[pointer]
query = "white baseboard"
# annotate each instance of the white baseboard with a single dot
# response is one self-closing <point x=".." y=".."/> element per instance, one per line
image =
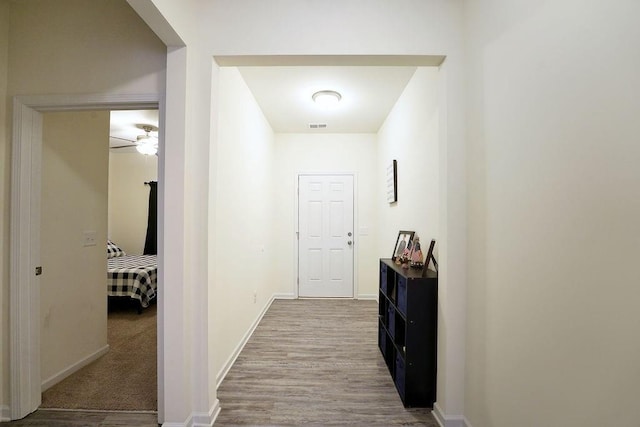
<point x="449" y="420"/>
<point x="55" y="379"/>
<point x="368" y="296"/>
<point x="5" y="413"/>
<point x="206" y="419"/>
<point x="188" y="422"/>
<point x="236" y="352"/>
<point x="199" y="419"/>
<point x="284" y="296"/>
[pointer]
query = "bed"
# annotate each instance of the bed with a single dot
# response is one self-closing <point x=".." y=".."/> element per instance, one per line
<point x="133" y="276"/>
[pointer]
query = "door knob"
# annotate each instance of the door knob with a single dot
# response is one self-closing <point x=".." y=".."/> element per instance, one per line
<point x="349" y="242"/>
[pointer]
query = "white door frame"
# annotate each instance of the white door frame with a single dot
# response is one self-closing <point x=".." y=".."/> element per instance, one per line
<point x="296" y="231"/>
<point x="24" y="251"/>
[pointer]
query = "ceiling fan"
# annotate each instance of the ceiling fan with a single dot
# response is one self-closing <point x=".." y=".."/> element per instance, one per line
<point x="145" y="144"/>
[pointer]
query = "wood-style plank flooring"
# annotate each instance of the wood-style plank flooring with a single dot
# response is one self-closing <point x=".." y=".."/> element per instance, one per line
<point x="314" y="362"/>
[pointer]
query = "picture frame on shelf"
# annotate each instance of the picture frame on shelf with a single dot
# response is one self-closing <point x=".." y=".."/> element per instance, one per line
<point x="429" y="258"/>
<point x="403" y="242"/>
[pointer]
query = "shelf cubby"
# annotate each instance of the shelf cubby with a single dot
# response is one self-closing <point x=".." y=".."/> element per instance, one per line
<point x="407" y="331"/>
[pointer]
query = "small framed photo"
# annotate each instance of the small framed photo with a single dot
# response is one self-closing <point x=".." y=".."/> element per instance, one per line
<point x="403" y="242"/>
<point x="430" y="257"/>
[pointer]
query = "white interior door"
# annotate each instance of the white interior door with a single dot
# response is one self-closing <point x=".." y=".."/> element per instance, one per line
<point x="325" y="225"/>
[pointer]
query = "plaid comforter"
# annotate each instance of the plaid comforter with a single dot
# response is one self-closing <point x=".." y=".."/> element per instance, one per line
<point x="134" y="276"/>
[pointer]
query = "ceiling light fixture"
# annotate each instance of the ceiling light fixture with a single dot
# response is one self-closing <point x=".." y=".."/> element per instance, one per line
<point x="146" y="144"/>
<point x="147" y="147"/>
<point x="327" y="98"/>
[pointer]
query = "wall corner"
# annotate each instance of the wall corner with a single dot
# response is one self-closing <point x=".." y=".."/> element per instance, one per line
<point x="5" y="413"/>
<point x="445" y="420"/>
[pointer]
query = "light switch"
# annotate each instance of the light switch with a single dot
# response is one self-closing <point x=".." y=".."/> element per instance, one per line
<point x="89" y="238"/>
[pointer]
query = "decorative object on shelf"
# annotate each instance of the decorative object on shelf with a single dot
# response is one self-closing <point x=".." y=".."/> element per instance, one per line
<point x="405" y="258"/>
<point x="415" y="258"/>
<point x="392" y="182"/>
<point x="402" y="243"/>
<point x="430" y="257"/>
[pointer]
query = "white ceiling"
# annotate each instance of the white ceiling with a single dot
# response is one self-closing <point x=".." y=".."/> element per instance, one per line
<point x="369" y="92"/>
<point x="125" y="126"/>
<point x="368" y="95"/>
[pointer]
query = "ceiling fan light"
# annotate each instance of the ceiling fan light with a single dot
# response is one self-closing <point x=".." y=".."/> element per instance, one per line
<point x="327" y="98"/>
<point x="147" y="148"/>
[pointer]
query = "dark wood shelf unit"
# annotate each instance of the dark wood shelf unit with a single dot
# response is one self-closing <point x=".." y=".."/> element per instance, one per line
<point x="407" y="331"/>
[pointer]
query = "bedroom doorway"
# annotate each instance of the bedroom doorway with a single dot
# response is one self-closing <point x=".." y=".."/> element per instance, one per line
<point x="26" y="384"/>
<point x="96" y="355"/>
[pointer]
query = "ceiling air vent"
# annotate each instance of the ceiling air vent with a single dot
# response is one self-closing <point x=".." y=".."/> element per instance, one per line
<point x="317" y="125"/>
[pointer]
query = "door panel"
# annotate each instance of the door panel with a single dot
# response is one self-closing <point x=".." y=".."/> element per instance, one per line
<point x="325" y="249"/>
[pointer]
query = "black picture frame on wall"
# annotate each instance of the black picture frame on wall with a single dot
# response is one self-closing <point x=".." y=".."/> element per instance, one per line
<point x="404" y="240"/>
<point x="392" y="182"/>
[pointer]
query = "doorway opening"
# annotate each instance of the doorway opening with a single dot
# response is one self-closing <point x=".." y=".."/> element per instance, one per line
<point x="26" y="215"/>
<point x="96" y="355"/>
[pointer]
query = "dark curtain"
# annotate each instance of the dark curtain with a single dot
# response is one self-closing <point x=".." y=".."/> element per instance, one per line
<point x="151" y="242"/>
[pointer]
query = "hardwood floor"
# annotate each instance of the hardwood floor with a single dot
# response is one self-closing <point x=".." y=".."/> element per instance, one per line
<point x="315" y="362"/>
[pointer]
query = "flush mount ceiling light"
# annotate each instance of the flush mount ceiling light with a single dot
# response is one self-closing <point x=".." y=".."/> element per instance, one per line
<point x="327" y="98"/>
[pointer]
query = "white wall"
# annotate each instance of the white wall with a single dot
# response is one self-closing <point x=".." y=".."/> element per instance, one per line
<point x="129" y="198"/>
<point x="361" y="27"/>
<point x="413" y="134"/>
<point x="73" y="293"/>
<point x="187" y="160"/>
<point x="554" y="204"/>
<point x="244" y="239"/>
<point x="77" y="47"/>
<point x="69" y="47"/>
<point x="334" y="153"/>
<point x="410" y="134"/>
<point x="5" y="178"/>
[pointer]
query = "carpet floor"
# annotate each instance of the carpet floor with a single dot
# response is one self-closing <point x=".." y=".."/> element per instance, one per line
<point x="123" y="379"/>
